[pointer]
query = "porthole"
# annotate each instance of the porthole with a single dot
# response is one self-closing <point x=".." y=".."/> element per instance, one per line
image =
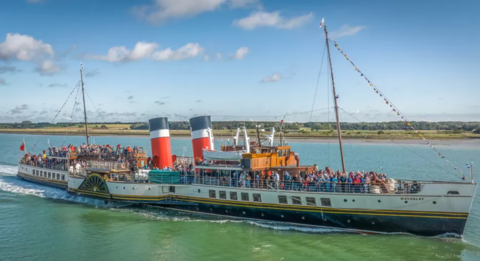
<point x="243" y="212"/>
<point x="353" y="200"/>
<point x="198" y="208"/>
<point x="226" y="211"/>
<point x="117" y="187"/>
<point x="303" y="217"/>
<point x="344" y="200"/>
<point x="263" y="215"/>
<point x="133" y="188"/>
<point x="406" y="202"/>
<point x="211" y="209"/>
<point x="325" y="219"/>
<point x="379" y="201"/>
<point x="148" y="188"/>
<point x="434" y="202"/>
<point x="281" y="216"/>
<point x="198" y="190"/>
<point x="123" y="187"/>
<point x="373" y="222"/>
<point x="348" y="221"/>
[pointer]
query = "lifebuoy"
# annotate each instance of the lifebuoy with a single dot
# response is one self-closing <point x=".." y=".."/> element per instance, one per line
<point x="122" y="165"/>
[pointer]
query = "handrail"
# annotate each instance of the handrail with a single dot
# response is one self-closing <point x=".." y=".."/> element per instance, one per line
<point x="320" y="186"/>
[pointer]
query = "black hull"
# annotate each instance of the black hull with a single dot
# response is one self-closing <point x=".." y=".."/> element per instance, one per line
<point x="43" y="182"/>
<point x="422" y="226"/>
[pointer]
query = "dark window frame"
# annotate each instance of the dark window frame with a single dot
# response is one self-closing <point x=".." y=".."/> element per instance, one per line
<point x="282" y="199"/>
<point x="222" y="194"/>
<point x="296" y="200"/>
<point x="257" y="197"/>
<point x="326" y="202"/>
<point x="311" y="201"/>
<point x="234" y="197"/>
<point x="245" y="196"/>
<point x="212" y="193"/>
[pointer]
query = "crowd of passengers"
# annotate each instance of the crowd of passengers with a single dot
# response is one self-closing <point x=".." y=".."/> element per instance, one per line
<point x="96" y="150"/>
<point x="318" y="180"/>
<point x="43" y="161"/>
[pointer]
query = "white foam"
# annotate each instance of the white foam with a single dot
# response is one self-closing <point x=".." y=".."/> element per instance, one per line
<point x="8" y="170"/>
<point x="15" y="185"/>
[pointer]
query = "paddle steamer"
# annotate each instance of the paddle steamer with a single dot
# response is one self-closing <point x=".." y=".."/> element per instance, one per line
<point x="225" y="182"/>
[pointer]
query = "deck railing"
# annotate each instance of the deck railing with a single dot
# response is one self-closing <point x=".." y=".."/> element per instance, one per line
<point x="321" y="187"/>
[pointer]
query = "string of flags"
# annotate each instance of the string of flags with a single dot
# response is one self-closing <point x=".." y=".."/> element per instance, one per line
<point x="394" y="108"/>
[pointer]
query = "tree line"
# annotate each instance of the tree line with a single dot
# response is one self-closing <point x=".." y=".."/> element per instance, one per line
<point x="291" y="126"/>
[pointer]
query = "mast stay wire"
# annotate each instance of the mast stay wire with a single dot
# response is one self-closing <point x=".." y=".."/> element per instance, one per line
<point x="318" y="80"/>
<point x="99" y="113"/>
<point x="58" y="113"/>
<point x="72" y="114"/>
<point x="403" y="146"/>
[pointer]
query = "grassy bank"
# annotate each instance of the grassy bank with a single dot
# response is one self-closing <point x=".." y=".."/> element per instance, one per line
<point x="123" y="129"/>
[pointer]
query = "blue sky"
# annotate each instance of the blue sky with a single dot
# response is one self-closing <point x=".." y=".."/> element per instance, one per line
<point x="238" y="59"/>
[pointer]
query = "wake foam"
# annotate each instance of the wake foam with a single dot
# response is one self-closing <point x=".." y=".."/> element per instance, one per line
<point x="13" y="184"/>
<point x="8" y="170"/>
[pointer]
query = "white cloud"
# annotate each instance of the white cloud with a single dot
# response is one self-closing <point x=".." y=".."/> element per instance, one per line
<point x="240" y="53"/>
<point x="144" y="50"/>
<point x="47" y="68"/>
<point x="24" y="48"/>
<point x="19" y="109"/>
<point x="189" y="50"/>
<point x="274" y="78"/>
<point x="141" y="50"/>
<point x="243" y="3"/>
<point x="161" y="10"/>
<point x="206" y="58"/>
<point x="274" y="19"/>
<point x="346" y="30"/>
<point x="219" y="56"/>
<point x="2" y="82"/>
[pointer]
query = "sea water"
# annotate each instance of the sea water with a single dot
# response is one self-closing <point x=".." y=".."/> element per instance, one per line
<point x="42" y="223"/>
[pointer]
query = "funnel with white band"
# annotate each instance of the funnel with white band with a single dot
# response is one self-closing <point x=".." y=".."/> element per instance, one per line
<point x="202" y="135"/>
<point x="160" y="140"/>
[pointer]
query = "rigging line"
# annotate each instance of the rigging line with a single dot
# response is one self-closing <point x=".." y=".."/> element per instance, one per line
<point x="99" y="113"/>
<point x="354" y="158"/>
<point x="395" y="109"/>
<point x="58" y="113"/>
<point x="405" y="147"/>
<point x="318" y="80"/>
<point x="71" y="116"/>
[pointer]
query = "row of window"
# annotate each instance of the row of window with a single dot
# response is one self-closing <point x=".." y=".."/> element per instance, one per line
<point x="50" y="175"/>
<point x="245" y="196"/>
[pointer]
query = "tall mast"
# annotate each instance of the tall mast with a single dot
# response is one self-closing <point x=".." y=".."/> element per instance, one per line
<point x="84" y="106"/>
<point x="339" y="131"/>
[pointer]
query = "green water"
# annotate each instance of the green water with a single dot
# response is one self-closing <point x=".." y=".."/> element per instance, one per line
<point x="41" y="223"/>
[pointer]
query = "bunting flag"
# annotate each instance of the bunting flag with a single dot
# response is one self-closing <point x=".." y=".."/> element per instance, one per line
<point x="22" y="147"/>
<point x="321" y="24"/>
<point x="395" y="109"/>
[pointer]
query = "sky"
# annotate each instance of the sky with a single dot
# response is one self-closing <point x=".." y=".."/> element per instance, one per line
<point x="242" y="60"/>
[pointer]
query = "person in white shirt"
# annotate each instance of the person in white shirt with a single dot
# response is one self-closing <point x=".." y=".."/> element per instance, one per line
<point x="276" y="178"/>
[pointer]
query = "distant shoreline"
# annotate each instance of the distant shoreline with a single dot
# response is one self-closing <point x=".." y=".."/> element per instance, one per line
<point x="311" y="137"/>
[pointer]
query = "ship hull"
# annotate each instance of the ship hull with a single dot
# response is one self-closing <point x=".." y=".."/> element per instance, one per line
<point x="363" y="222"/>
<point x="43" y="181"/>
<point x="43" y="176"/>
<point x="420" y="214"/>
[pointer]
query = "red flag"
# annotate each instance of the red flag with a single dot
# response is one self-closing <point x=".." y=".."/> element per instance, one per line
<point x="22" y="147"/>
<point x="281" y="122"/>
